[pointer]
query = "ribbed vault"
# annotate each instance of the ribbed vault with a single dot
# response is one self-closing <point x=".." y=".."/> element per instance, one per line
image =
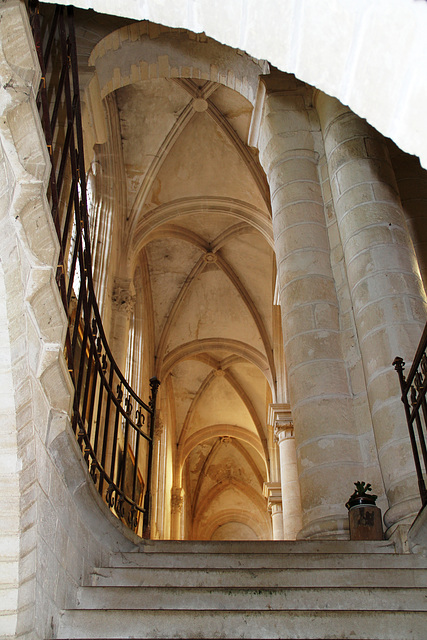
<point x="193" y="236"/>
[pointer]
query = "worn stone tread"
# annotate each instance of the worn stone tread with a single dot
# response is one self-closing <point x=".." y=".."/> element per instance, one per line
<point x="260" y="578"/>
<point x="262" y="560"/>
<point x="264" y="546"/>
<point x="283" y="625"/>
<point x="299" y="598"/>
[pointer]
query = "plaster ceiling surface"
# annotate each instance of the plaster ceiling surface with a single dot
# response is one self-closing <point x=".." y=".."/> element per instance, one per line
<point x="198" y="214"/>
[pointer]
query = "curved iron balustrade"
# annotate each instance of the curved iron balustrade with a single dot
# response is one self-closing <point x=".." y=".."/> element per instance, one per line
<point x="414" y="390"/>
<point x="113" y="426"/>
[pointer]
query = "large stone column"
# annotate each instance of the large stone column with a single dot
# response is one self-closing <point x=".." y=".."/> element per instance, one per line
<point x="384" y="281"/>
<point x="328" y="452"/>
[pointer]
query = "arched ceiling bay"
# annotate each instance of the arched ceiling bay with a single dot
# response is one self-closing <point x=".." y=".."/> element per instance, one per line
<point x="224" y="481"/>
<point x="198" y="213"/>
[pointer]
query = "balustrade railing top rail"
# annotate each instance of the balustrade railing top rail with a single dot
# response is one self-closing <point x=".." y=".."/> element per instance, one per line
<point x="414" y="389"/>
<point x="113" y="426"/>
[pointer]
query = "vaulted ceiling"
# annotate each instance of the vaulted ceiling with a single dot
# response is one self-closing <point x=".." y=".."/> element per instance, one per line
<point x="196" y="224"/>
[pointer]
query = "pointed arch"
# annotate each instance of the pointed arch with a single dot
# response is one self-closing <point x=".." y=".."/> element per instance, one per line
<point x="189" y="349"/>
<point x="208" y="205"/>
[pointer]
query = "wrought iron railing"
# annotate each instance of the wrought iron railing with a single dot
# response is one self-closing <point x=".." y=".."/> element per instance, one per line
<point x="113" y="426"/>
<point x="414" y="389"/>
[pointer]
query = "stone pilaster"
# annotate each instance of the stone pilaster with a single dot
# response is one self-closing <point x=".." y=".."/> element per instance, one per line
<point x="177" y="503"/>
<point x="281" y="418"/>
<point x="318" y="388"/>
<point x="273" y="493"/>
<point x="389" y="307"/>
<point x="123" y="302"/>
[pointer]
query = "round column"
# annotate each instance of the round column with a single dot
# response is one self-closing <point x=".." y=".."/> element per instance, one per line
<point x="386" y="291"/>
<point x="326" y="446"/>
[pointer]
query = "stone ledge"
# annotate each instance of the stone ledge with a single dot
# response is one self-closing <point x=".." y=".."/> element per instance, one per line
<point x="93" y="511"/>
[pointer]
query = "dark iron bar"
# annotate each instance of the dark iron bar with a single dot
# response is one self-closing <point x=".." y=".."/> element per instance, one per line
<point x="414" y="390"/>
<point x="109" y="419"/>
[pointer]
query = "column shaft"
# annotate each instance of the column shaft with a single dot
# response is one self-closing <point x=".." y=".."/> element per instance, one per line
<point x="277" y="521"/>
<point x="384" y="282"/>
<point x="291" y="497"/>
<point x="327" y="448"/>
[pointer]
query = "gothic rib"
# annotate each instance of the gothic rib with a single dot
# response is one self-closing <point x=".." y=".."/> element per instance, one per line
<point x="179" y="233"/>
<point x="241" y="394"/>
<point x="207" y="359"/>
<point x="158" y="159"/>
<point x="197" y="92"/>
<point x="218" y="117"/>
<point x="172" y="136"/>
<point x="244" y="296"/>
<point x="196" y="270"/>
<point x="208" y="460"/>
<point x="227" y="515"/>
<point x="239" y="209"/>
<point x="229" y="272"/>
<point x="230" y="360"/>
<point x="188" y="349"/>
<point x="243" y="151"/>
<point x="250" y="408"/>
<point x="245" y="453"/>
<point x="200" y="391"/>
<point x="202" y="475"/>
<point x="215" y="430"/>
<point x="252" y="308"/>
<point x="248" y="491"/>
<point x="239" y="229"/>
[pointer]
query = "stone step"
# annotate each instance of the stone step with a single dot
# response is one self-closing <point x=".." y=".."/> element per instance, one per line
<point x="283" y="625"/>
<point x="259" y="578"/>
<point x="263" y="560"/>
<point x="266" y="546"/>
<point x="273" y="599"/>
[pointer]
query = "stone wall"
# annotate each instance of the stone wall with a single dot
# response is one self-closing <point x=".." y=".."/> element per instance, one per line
<point x="50" y="529"/>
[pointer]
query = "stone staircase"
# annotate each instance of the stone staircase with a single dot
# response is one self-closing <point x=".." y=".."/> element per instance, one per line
<point x="308" y="590"/>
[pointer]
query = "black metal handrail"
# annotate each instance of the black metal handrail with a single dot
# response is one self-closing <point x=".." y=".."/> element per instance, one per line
<point x="414" y="389"/>
<point x="113" y="426"/>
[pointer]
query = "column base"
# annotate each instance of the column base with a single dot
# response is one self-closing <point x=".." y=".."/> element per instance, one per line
<point x="326" y="529"/>
<point x="403" y="512"/>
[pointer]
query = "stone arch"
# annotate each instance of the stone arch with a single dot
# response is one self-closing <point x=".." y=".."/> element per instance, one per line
<point x="219" y="430"/>
<point x="243" y="397"/>
<point x="123" y="58"/>
<point x="195" y="347"/>
<point x="172" y="211"/>
<point x="245" y="517"/>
